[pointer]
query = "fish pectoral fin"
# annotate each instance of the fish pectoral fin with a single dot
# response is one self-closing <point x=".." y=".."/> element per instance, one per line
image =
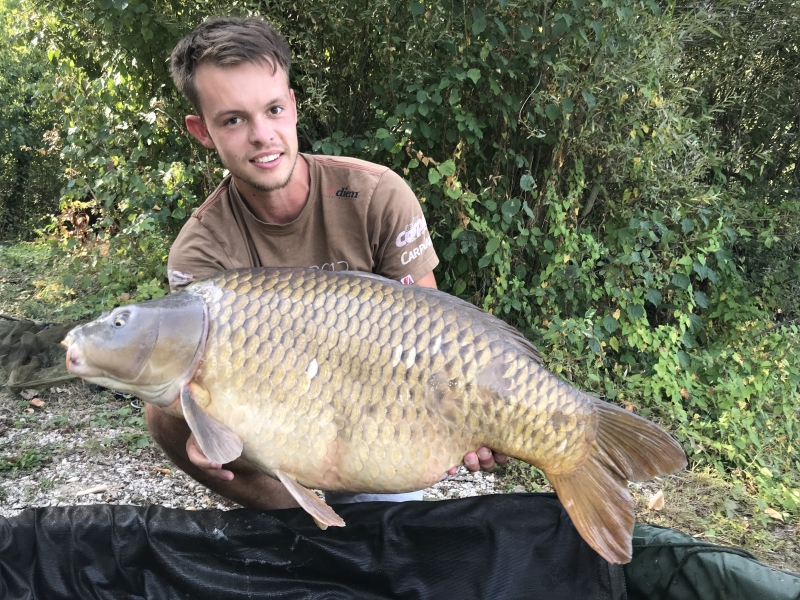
<point x="323" y="515"/>
<point x="217" y="442"/>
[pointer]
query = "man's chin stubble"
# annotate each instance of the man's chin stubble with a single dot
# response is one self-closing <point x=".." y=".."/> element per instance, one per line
<point x="273" y="187"/>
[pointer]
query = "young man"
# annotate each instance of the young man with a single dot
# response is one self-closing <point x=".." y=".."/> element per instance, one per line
<point x="277" y="208"/>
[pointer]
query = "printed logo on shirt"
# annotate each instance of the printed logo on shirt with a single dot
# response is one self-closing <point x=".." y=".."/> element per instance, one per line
<point x="408" y="280"/>
<point x="414" y="254"/>
<point x="345" y="193"/>
<point x="417" y="228"/>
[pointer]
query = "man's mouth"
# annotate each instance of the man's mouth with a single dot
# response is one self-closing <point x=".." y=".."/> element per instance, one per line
<point x="267" y="159"/>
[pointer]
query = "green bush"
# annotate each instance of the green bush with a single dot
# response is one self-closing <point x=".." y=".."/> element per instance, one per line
<point x="581" y="165"/>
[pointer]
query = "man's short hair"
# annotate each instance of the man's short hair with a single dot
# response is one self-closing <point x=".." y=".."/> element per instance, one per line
<point x="227" y="42"/>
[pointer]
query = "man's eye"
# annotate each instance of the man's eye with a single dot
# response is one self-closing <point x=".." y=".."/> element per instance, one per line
<point x="233" y="121"/>
<point x="276" y="110"/>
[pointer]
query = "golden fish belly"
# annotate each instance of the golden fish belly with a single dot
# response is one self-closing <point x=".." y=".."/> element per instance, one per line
<point x="350" y="384"/>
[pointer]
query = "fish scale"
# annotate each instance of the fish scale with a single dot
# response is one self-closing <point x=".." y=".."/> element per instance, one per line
<point x="351" y="382"/>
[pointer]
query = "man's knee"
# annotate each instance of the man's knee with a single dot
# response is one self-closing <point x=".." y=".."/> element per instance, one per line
<point x="169" y="432"/>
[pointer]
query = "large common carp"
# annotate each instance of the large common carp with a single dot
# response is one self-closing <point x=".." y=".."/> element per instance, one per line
<point x="351" y="382"/>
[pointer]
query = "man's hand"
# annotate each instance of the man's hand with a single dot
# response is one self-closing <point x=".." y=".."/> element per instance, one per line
<point x="199" y="459"/>
<point x="482" y="460"/>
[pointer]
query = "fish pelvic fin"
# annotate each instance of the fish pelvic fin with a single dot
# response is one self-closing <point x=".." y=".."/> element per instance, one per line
<point x="324" y="516"/>
<point x="595" y="495"/>
<point x="218" y="443"/>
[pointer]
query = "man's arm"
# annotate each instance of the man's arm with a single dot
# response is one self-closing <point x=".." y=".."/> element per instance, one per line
<point x="428" y="281"/>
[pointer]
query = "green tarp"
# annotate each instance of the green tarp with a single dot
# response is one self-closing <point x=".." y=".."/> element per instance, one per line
<point x="670" y="565"/>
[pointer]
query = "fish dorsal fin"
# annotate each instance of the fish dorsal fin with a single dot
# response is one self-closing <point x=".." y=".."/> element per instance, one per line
<point x="323" y="515"/>
<point x="217" y="442"/>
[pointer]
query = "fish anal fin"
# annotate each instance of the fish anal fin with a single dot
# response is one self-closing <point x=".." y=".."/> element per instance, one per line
<point x="324" y="516"/>
<point x="600" y="506"/>
<point x="218" y="443"/>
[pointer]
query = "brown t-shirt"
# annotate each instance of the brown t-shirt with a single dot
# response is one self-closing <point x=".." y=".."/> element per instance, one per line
<point x="359" y="216"/>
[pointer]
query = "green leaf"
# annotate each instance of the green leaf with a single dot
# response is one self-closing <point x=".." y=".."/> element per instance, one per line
<point x="69" y="280"/>
<point x="178" y="213"/>
<point x="527" y="182"/>
<point x="548" y="245"/>
<point x="653" y="297"/>
<point x="695" y="323"/>
<point x="611" y="324"/>
<point x="484" y="261"/>
<point x="684" y="359"/>
<point x="86" y="281"/>
<point x="679" y="280"/>
<point x="635" y="311"/>
<point x="701" y="299"/>
<point x="381" y="133"/>
<point x="459" y="286"/>
<point x="567" y="105"/>
<point x="594" y="345"/>
<point x="552" y="111"/>
<point x="687" y="225"/>
<point x="421" y="96"/>
<point x="492" y="245"/>
<point x="511" y="207"/>
<point x="520" y="271"/>
<point x="474" y="74"/>
<point x="478" y="21"/>
<point x="447" y="168"/>
<point x="589" y="98"/>
<point x="417" y="8"/>
<point x="525" y="32"/>
<point x="433" y="176"/>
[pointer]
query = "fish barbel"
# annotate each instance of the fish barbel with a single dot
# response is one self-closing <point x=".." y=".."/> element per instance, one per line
<point x="351" y="382"/>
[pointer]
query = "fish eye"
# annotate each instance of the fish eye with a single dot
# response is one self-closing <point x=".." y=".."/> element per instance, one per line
<point x="121" y="319"/>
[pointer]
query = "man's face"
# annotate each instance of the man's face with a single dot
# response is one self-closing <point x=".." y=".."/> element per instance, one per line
<point x="250" y="117"/>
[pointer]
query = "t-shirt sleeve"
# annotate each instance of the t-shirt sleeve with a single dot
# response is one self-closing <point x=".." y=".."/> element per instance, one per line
<point x="401" y="242"/>
<point x="196" y="254"/>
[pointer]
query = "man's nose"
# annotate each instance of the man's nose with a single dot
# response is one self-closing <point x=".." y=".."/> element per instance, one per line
<point x="261" y="130"/>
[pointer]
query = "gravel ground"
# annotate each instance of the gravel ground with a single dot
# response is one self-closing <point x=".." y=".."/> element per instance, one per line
<point x="84" y="447"/>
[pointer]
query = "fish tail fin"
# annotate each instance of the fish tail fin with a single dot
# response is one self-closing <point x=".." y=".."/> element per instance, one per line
<point x="626" y="447"/>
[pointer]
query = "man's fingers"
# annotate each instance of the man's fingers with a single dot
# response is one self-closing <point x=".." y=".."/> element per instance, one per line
<point x="471" y="461"/>
<point x="485" y="458"/>
<point x="198" y="458"/>
<point x="501" y="459"/>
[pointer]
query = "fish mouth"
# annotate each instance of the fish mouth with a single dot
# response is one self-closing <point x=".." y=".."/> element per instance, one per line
<point x="76" y="365"/>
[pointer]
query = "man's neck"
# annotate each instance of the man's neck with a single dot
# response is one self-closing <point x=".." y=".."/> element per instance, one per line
<point x="281" y="206"/>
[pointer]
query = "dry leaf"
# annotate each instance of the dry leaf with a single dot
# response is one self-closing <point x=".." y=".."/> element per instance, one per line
<point x="656" y="502"/>
<point x="97" y="489"/>
<point x="29" y="411"/>
<point x="28" y="394"/>
<point x="190" y="508"/>
<point x="162" y="471"/>
<point x="37" y="402"/>
<point x="774" y="514"/>
<point x="124" y="297"/>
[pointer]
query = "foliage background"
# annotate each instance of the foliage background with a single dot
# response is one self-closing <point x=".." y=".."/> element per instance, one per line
<point x="617" y="179"/>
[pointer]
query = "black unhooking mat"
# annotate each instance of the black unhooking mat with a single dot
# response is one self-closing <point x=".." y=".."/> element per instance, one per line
<point x="519" y="546"/>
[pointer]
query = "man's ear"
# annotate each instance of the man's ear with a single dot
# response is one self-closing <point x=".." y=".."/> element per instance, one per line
<point x="197" y="128"/>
